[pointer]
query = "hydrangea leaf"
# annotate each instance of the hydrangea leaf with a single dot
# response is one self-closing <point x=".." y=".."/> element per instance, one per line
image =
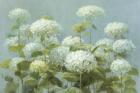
<point x="24" y="65"/>
<point x="130" y="90"/>
<point x="5" y="63"/>
<point x="134" y="71"/>
<point x="130" y="83"/>
<point x="70" y="76"/>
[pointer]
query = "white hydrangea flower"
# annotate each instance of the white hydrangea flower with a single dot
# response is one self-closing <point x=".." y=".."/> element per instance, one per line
<point x="38" y="66"/>
<point x="102" y="54"/>
<point x="105" y="41"/>
<point x="116" y="29"/>
<point x="32" y="47"/>
<point x="44" y="26"/>
<point x="80" y="61"/>
<point x="58" y="55"/>
<point x="19" y="14"/>
<point x="90" y="11"/>
<point x="71" y="41"/>
<point x="12" y="41"/>
<point x="14" y="62"/>
<point x="25" y="33"/>
<point x="120" y="67"/>
<point x="123" y="46"/>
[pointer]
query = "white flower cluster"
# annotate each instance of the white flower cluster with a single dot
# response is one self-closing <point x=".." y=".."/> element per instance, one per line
<point x="71" y="41"/>
<point x="90" y="11"/>
<point x="14" y="62"/>
<point x="105" y="42"/>
<point x="44" y="26"/>
<point x="38" y="66"/>
<point x="103" y="55"/>
<point x="123" y="46"/>
<point x="116" y="29"/>
<point x="80" y="61"/>
<point x="58" y="55"/>
<point x="19" y="14"/>
<point x="32" y="47"/>
<point x="12" y="41"/>
<point x="120" y="67"/>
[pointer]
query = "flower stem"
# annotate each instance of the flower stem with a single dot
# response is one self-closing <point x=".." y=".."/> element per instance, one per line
<point x="121" y="83"/>
<point x="80" y="80"/>
<point x="90" y="37"/>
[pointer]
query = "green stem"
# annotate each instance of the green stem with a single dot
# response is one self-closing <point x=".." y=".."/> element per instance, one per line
<point x="80" y="80"/>
<point x="80" y="37"/>
<point x="90" y="37"/>
<point x="121" y="83"/>
<point x="21" y="85"/>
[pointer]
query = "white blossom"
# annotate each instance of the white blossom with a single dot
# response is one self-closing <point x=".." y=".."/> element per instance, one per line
<point x="123" y="46"/>
<point x="120" y="67"/>
<point x="71" y="41"/>
<point x="14" y="62"/>
<point x="90" y="11"/>
<point x="58" y="55"/>
<point x="44" y="26"/>
<point x="38" y="66"/>
<point x="32" y="47"/>
<point x="103" y="55"/>
<point x="12" y="41"/>
<point x="80" y="61"/>
<point x="19" y="14"/>
<point x="116" y="29"/>
<point x="105" y="42"/>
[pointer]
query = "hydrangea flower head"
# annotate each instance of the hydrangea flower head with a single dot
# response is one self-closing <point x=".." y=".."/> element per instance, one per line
<point x="12" y="41"/>
<point x="120" y="67"/>
<point x="32" y="47"/>
<point x="38" y="66"/>
<point x="123" y="46"/>
<point x="44" y="26"/>
<point x="71" y="41"/>
<point x="105" y="42"/>
<point x="116" y="29"/>
<point x="58" y="55"/>
<point x="90" y="11"/>
<point x="80" y="61"/>
<point x="19" y="14"/>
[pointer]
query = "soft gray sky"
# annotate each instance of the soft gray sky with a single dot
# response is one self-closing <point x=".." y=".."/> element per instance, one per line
<point x="63" y="11"/>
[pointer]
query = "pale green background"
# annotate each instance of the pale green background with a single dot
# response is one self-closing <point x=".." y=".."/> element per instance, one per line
<point x="63" y="11"/>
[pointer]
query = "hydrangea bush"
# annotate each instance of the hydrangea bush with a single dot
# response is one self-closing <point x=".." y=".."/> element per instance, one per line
<point x="45" y="64"/>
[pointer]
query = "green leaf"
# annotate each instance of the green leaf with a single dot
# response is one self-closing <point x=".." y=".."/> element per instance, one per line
<point x="130" y="83"/>
<point x="24" y="65"/>
<point x="73" y="90"/>
<point x="8" y="78"/>
<point x="31" y="81"/>
<point x="5" y="63"/>
<point x="130" y="90"/>
<point x="17" y="49"/>
<point x="47" y="17"/>
<point x="134" y="71"/>
<point x="36" y="53"/>
<point x="94" y="27"/>
<point x="11" y="87"/>
<point x="70" y="76"/>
